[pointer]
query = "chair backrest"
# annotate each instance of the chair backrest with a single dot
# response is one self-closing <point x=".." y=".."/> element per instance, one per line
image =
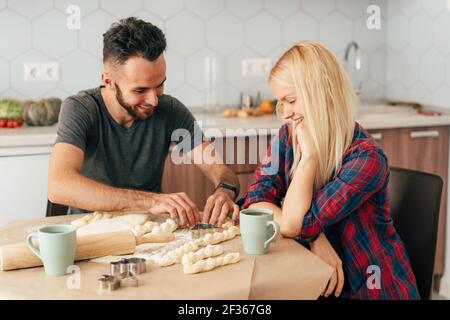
<point x="415" y="201"/>
<point x="54" y="209"/>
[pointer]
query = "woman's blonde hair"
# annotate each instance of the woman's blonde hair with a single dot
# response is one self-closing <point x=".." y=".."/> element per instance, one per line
<point x="327" y="99"/>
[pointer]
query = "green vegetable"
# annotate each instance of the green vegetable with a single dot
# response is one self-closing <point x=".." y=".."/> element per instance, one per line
<point x="43" y="112"/>
<point x="10" y="109"/>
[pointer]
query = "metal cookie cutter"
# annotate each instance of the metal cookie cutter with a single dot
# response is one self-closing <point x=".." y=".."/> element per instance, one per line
<point x="129" y="281"/>
<point x="200" y="229"/>
<point x="119" y="268"/>
<point x="108" y="283"/>
<point x="124" y="267"/>
<point x="136" y="266"/>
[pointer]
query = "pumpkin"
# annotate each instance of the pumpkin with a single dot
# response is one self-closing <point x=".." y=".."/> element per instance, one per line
<point x="42" y="112"/>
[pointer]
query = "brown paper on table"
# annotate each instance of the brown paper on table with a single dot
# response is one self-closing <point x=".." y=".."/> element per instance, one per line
<point x="288" y="271"/>
<point x="231" y="282"/>
<point x="289" y="262"/>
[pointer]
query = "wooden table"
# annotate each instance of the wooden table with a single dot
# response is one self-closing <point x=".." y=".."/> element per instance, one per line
<point x="288" y="271"/>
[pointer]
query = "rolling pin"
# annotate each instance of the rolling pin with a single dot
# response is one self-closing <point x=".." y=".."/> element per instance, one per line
<point x="19" y="256"/>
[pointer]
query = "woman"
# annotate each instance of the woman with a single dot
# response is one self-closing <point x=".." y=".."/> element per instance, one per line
<point x="330" y="189"/>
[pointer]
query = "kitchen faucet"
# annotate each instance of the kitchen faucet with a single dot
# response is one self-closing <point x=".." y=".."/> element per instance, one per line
<point x="351" y="45"/>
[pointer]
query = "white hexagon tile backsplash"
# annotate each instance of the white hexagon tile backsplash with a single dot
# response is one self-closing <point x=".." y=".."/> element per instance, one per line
<point x="418" y="51"/>
<point x="409" y="57"/>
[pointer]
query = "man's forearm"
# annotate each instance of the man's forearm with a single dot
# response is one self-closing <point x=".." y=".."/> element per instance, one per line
<point x="227" y="175"/>
<point x="78" y="191"/>
<point x="221" y="172"/>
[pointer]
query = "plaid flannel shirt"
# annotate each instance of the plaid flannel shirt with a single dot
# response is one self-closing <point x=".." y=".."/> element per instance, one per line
<point x="352" y="210"/>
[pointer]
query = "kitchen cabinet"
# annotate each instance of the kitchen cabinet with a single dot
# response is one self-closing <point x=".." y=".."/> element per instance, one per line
<point x="23" y="183"/>
<point x="189" y="178"/>
<point x="423" y="149"/>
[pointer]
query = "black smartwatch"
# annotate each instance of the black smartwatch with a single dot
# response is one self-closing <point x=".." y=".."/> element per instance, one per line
<point x="229" y="186"/>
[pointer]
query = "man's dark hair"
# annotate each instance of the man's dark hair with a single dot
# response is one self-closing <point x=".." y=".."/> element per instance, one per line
<point x="132" y="37"/>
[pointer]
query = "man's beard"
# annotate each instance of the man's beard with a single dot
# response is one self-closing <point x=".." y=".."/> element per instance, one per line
<point x="128" y="107"/>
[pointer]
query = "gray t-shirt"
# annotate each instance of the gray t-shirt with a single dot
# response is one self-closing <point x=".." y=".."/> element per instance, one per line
<point x="131" y="158"/>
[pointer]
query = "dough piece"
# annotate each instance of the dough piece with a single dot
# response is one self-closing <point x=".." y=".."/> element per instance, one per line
<point x="218" y="237"/>
<point x="147" y="227"/>
<point x="174" y="256"/>
<point x="78" y="223"/>
<point x="133" y="218"/>
<point x="206" y="252"/>
<point x="98" y="223"/>
<point x="157" y="230"/>
<point x="129" y="219"/>
<point x="212" y="263"/>
<point x="96" y="216"/>
<point x="103" y="226"/>
<point x="83" y="220"/>
<point x="166" y="227"/>
<point x="228" y="224"/>
<point x="107" y="216"/>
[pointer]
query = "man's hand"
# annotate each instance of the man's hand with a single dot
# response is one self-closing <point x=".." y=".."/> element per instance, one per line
<point x="323" y="249"/>
<point x="177" y="205"/>
<point x="218" y="205"/>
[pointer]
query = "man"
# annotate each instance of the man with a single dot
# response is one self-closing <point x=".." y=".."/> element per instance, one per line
<point x="112" y="141"/>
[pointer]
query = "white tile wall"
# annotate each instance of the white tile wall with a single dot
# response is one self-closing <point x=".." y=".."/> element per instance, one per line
<point x="229" y="30"/>
<point x="418" y="51"/>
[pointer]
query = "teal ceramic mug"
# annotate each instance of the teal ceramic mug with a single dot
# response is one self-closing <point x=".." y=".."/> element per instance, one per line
<point x="57" y="247"/>
<point x="258" y="229"/>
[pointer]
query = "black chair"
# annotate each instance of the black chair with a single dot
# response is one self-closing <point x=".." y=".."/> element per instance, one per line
<point x="415" y="201"/>
<point x="54" y="209"/>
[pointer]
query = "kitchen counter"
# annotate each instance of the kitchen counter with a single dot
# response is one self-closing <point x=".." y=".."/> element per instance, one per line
<point x="28" y="136"/>
<point x="214" y="125"/>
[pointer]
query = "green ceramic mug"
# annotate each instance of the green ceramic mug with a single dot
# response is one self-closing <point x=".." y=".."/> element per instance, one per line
<point x="258" y="229"/>
<point x="57" y="247"/>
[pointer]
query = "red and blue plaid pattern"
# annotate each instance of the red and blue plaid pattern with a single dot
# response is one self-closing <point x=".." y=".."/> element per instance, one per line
<point x="352" y="210"/>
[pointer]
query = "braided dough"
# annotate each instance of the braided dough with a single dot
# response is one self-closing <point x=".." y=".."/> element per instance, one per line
<point x="211" y="263"/>
<point x="153" y="227"/>
<point x="218" y="237"/>
<point x="166" y="227"/>
<point x="228" y="224"/>
<point x="207" y="252"/>
<point x="128" y="218"/>
<point x="174" y="256"/>
<point x="100" y="222"/>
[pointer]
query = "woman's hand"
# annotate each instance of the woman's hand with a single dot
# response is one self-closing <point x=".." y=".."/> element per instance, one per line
<point x="303" y="138"/>
<point x="323" y="249"/>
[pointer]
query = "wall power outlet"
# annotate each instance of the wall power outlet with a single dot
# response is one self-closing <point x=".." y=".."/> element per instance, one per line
<point x="41" y="72"/>
<point x="258" y="67"/>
